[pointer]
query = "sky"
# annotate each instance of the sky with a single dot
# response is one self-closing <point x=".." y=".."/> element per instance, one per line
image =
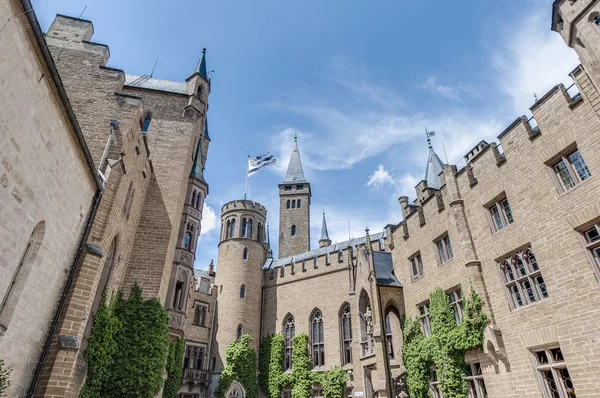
<point x="357" y="81"/>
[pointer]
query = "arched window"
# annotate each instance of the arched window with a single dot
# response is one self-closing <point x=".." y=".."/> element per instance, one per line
<point x="240" y="331"/>
<point x="346" y="334"/>
<point x="245" y="255"/>
<point x="341" y="255"/>
<point x="228" y="229"/>
<point x="187" y="239"/>
<point x="287" y="205"/>
<point x="523" y="280"/>
<point x="232" y="229"/>
<point x="145" y="123"/>
<point x="17" y="284"/>
<point x="289" y="331"/>
<point x="244" y="225"/>
<point x="193" y="203"/>
<point x="199" y="92"/>
<point x="299" y="203"/>
<point x="249" y="232"/>
<point x="179" y="294"/>
<point x="243" y="291"/>
<point x="388" y="336"/>
<point x="200" y="314"/>
<point x="318" y="341"/>
<point x="293" y="204"/>
<point x="128" y="201"/>
<point x="293" y="230"/>
<point x="259" y="233"/>
<point x="595" y="18"/>
<point x="198" y="201"/>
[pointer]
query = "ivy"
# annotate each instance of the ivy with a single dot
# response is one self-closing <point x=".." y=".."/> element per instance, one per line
<point x="128" y="348"/>
<point x="174" y="369"/>
<point x="445" y="348"/>
<point x="300" y="379"/>
<point x="4" y="378"/>
<point x="240" y="365"/>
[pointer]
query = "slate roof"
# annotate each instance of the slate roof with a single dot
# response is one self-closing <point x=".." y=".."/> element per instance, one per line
<point x="321" y="251"/>
<point x="154" y="84"/>
<point x="294" y="173"/>
<point x="384" y="269"/>
<point x="324" y="233"/>
<point x="434" y="167"/>
<point x="201" y="65"/>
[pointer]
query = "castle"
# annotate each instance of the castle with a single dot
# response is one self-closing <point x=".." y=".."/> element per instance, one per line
<point x="519" y="224"/>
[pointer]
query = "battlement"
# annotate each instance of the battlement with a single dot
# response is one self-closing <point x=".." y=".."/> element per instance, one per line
<point x="75" y="34"/>
<point x="243" y="205"/>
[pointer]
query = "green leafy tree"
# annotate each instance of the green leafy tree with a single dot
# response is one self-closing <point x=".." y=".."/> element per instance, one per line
<point x="4" y="378"/>
<point x="174" y="369"/>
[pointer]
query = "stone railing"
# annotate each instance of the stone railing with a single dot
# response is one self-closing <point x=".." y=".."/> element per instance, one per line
<point x="195" y="375"/>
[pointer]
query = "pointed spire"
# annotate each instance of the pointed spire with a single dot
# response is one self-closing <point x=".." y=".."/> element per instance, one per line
<point x="197" y="170"/>
<point x="434" y="167"/>
<point x="201" y="65"/>
<point x="268" y="243"/>
<point x="294" y="172"/>
<point x="324" y="241"/>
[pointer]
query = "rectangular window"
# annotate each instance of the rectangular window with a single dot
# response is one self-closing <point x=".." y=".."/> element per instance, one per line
<point x="317" y="391"/>
<point x="444" y="249"/>
<point x="299" y="187"/>
<point x="349" y="392"/>
<point x="570" y="170"/>
<point x="475" y="381"/>
<point x="434" y="385"/>
<point x="286" y="393"/>
<point x="501" y="214"/>
<point x="424" y="319"/>
<point x="553" y="374"/>
<point x="416" y="266"/>
<point x="288" y="188"/>
<point x="200" y="311"/>
<point x="591" y="239"/>
<point x="456" y="303"/>
<point x="522" y="278"/>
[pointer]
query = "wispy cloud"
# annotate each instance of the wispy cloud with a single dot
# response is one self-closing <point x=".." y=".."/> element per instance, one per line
<point x="380" y="177"/>
<point x="445" y="91"/>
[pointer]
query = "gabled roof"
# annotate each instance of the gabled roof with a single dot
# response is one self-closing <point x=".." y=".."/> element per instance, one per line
<point x="384" y="269"/>
<point x="434" y="167"/>
<point x="294" y="173"/>
<point x="324" y="233"/>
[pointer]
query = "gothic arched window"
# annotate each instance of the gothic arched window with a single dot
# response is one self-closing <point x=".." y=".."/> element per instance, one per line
<point x="289" y="331"/>
<point x="318" y="341"/>
<point x="293" y="204"/>
<point x="245" y="254"/>
<point x="259" y="233"/>
<point x="299" y="203"/>
<point x="193" y="198"/>
<point x="293" y="230"/>
<point x="232" y="229"/>
<point x="522" y="278"/>
<point x="243" y="291"/>
<point x="228" y="229"/>
<point x="198" y="201"/>
<point x="249" y="232"/>
<point x="346" y="332"/>
<point x="243" y="231"/>
<point x="187" y="240"/>
<point x="287" y="205"/>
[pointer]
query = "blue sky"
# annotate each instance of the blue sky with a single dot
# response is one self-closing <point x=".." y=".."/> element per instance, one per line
<point x="358" y="82"/>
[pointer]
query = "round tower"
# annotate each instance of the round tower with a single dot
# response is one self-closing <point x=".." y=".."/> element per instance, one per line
<point x="242" y="254"/>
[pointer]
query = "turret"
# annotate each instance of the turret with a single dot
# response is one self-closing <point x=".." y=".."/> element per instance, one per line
<point x="324" y="241"/>
<point x="242" y="254"/>
<point x="198" y="88"/>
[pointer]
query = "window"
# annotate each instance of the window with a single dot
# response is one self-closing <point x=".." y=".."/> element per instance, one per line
<point x="245" y="255"/>
<point x="317" y="391"/>
<point x="228" y="229"/>
<point x="570" y="170"/>
<point x="128" y="201"/>
<point x="200" y="314"/>
<point x="501" y="214"/>
<point x="340" y="256"/>
<point x="286" y="392"/>
<point x="249" y="229"/>
<point x="187" y="240"/>
<point x="194" y="357"/>
<point x="198" y="201"/>
<point x="299" y="187"/>
<point x="194" y="197"/>
<point x="523" y="280"/>
<point x="456" y="303"/>
<point x="259" y="233"/>
<point x="287" y="205"/>
<point x="178" y="296"/>
<point x="243" y="291"/>
<point x="444" y="249"/>
<point x="293" y="204"/>
<point x="318" y="345"/>
<point x="388" y="336"/>
<point x="204" y="286"/>
<point x="239" y="331"/>
<point x="416" y="266"/>
<point x="244" y="226"/>
<point x="553" y="374"/>
<point x="289" y="331"/>
<point x="475" y="381"/>
<point x="434" y="385"/>
<point x="299" y="203"/>
<point x="288" y="188"/>
<point x="145" y="125"/>
<point x="424" y="319"/>
<point x="232" y="229"/>
<point x="346" y="326"/>
<point x="293" y="230"/>
<point x="591" y="239"/>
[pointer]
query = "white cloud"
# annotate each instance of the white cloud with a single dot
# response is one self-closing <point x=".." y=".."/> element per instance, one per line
<point x="380" y="177"/>
<point x="209" y="220"/>
<point x="444" y="91"/>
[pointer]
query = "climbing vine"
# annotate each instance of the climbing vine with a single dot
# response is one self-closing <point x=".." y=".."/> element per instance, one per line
<point x="445" y="348"/>
<point x="174" y="369"/>
<point x="240" y="365"/>
<point x="4" y="378"/>
<point x="300" y="379"/>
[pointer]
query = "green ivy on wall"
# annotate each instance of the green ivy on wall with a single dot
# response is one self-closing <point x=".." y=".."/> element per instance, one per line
<point x="240" y="360"/>
<point x="174" y="369"/>
<point x="128" y="348"/>
<point x="300" y="379"/>
<point x="445" y="348"/>
<point x="4" y="378"/>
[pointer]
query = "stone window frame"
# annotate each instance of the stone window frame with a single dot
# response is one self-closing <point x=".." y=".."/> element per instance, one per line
<point x="317" y="391"/>
<point x="425" y="318"/>
<point x="444" y="249"/>
<point x="349" y="390"/>
<point x="200" y="322"/>
<point x="518" y="270"/>
<point x="196" y="361"/>
<point x="298" y="204"/>
<point x="456" y="303"/>
<point x="434" y="384"/>
<point x="475" y="382"/>
<point x="568" y="169"/>
<point x="243" y="291"/>
<point x="552" y="373"/>
<point x="346" y="334"/>
<point x="286" y="392"/>
<point x="500" y="214"/>
<point x="288" y="204"/>
<point x="317" y="338"/>
<point x="590" y="237"/>
<point x="416" y="266"/>
<point x="293" y="230"/>
<point x="294" y="204"/>
<point x="245" y="254"/>
<point x="289" y="332"/>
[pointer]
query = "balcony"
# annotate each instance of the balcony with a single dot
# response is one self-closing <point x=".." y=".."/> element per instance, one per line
<point x="195" y="375"/>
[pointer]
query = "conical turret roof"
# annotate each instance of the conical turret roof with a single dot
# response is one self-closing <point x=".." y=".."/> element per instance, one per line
<point x="434" y="167"/>
<point x="201" y="65"/>
<point x="295" y="174"/>
<point x="324" y="233"/>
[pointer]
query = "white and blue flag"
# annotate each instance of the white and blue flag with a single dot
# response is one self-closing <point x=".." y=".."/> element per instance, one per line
<point x="259" y="162"/>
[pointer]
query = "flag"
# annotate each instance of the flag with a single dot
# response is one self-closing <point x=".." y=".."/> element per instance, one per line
<point x="259" y="162"/>
<point x="430" y="133"/>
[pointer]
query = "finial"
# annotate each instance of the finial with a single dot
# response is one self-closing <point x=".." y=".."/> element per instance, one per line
<point x="204" y="50"/>
<point x="429" y="134"/>
<point x="295" y="136"/>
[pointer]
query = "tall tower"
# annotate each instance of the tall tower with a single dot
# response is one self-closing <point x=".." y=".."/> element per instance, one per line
<point x="578" y="22"/>
<point x="294" y="209"/>
<point x="242" y="254"/>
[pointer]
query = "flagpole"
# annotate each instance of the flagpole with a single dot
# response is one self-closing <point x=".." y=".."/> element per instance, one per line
<point x="246" y="186"/>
